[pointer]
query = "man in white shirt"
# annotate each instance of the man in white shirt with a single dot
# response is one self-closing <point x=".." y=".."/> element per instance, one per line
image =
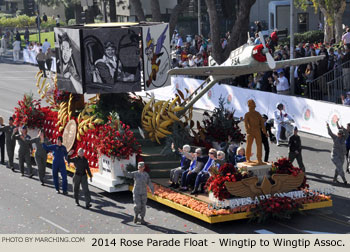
<point x="179" y="41"/>
<point x="45" y="46"/>
<point x="346" y="37"/>
<point x="16" y="49"/>
<point x="281" y="83"/>
<point x="280" y="116"/>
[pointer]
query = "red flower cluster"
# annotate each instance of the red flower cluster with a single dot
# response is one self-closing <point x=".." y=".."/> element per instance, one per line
<point x="60" y="96"/>
<point x="117" y="143"/>
<point x="89" y="143"/>
<point x="284" y="166"/>
<point x="49" y="126"/>
<point x="275" y="207"/>
<point x="216" y="182"/>
<point x="29" y="113"/>
<point x="227" y="168"/>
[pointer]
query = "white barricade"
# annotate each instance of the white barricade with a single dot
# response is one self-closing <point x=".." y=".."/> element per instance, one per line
<point x="310" y="116"/>
<point x="30" y="57"/>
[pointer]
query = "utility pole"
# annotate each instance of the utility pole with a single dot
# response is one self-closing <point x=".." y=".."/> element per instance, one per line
<point x="105" y="10"/>
<point x="199" y="18"/>
<point x="291" y="33"/>
<point x="38" y="20"/>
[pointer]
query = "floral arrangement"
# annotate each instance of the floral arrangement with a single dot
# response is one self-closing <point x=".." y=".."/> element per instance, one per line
<point x="59" y="95"/>
<point x="275" y="208"/>
<point x="270" y="208"/>
<point x="129" y="108"/>
<point x="89" y="142"/>
<point x="220" y="126"/>
<point x="187" y="201"/>
<point x="226" y="173"/>
<point x="49" y="125"/>
<point x="29" y="112"/>
<point x="284" y="166"/>
<point x="116" y="139"/>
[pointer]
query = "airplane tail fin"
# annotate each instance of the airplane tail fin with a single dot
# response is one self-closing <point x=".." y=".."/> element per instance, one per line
<point x="212" y="62"/>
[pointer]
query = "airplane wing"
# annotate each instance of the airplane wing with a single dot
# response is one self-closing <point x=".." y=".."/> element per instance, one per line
<point x="237" y="70"/>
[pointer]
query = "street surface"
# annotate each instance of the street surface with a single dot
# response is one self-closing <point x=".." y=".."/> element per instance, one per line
<point x="28" y="207"/>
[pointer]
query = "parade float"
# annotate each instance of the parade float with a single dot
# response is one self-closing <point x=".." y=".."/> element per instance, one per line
<point x="105" y="63"/>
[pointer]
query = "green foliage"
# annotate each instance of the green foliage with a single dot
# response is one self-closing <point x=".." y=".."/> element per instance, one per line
<point x="306" y="37"/>
<point x="49" y="24"/>
<point x="331" y="7"/>
<point x="19" y="21"/>
<point x="72" y="22"/>
<point x="19" y="12"/>
<point x="180" y="136"/>
<point x="23" y="21"/>
<point x="129" y="109"/>
<point x="99" y="18"/>
<point x="44" y="35"/>
<point x="5" y="15"/>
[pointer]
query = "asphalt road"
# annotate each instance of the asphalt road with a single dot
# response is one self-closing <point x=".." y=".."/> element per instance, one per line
<point x="28" y="207"/>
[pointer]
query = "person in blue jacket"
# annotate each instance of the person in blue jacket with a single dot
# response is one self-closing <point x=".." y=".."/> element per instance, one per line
<point x="240" y="156"/>
<point x="203" y="175"/>
<point x="60" y="153"/>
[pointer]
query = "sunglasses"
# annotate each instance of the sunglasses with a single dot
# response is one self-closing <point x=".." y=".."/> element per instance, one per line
<point x="213" y="153"/>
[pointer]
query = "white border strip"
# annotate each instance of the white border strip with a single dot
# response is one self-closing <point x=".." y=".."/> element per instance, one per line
<point x="54" y="224"/>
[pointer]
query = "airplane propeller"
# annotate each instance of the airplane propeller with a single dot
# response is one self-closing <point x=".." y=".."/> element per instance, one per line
<point x="270" y="61"/>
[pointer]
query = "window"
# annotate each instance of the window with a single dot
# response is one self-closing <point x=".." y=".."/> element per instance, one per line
<point x="303" y="22"/>
<point x="272" y="21"/>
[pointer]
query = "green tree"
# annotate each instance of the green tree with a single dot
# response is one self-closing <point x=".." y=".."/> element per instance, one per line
<point x="238" y="33"/>
<point x="138" y="9"/>
<point x="156" y="14"/>
<point x="332" y="11"/>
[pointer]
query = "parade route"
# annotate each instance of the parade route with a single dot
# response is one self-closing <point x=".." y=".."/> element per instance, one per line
<point x="28" y="207"/>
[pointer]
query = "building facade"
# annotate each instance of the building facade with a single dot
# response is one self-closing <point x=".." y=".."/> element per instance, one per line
<point x="11" y="6"/>
<point x="276" y="14"/>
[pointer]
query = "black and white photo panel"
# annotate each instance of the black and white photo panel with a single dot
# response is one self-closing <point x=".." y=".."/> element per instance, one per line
<point x="68" y="60"/>
<point x="112" y="60"/>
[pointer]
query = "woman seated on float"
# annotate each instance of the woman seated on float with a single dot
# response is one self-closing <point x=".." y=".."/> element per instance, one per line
<point x="186" y="157"/>
<point x="240" y="156"/>
<point x="220" y="159"/>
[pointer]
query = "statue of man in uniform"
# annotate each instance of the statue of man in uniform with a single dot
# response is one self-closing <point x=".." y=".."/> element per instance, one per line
<point x="254" y="124"/>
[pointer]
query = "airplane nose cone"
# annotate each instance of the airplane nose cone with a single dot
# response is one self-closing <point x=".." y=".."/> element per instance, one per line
<point x="265" y="51"/>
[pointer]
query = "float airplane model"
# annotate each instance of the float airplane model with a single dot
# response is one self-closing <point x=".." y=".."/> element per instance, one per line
<point x="247" y="59"/>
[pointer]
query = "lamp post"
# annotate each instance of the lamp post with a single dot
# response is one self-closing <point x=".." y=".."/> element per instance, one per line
<point x="199" y="18"/>
<point x="38" y="20"/>
<point x="291" y="33"/>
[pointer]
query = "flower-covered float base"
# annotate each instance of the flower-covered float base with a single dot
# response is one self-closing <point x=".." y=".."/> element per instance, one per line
<point x="206" y="211"/>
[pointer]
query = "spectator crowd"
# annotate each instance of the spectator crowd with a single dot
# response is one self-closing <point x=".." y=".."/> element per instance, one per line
<point x="195" y="53"/>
